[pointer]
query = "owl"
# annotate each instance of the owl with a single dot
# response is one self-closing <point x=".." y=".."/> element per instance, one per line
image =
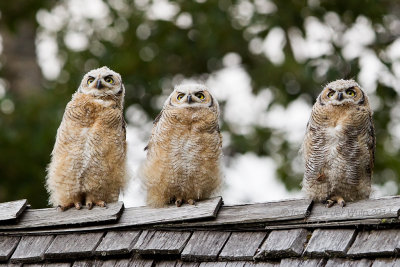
<point x="184" y="150"/>
<point x="339" y="145"/>
<point x="88" y="160"/>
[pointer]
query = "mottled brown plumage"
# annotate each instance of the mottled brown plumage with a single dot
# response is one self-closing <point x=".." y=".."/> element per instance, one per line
<point x="339" y="145"/>
<point x="184" y="151"/>
<point x="88" y="159"/>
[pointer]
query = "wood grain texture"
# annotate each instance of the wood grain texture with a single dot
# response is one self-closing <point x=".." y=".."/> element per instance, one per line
<point x="161" y="242"/>
<point x="256" y="213"/>
<point x="204" y="246"/>
<point x="302" y="262"/>
<point x="242" y="245"/>
<point x="88" y="263"/>
<point x="170" y="263"/>
<point x="51" y="217"/>
<point x="10" y="211"/>
<point x="31" y="248"/>
<point x="131" y="217"/>
<point x="386" y="262"/>
<point x="7" y="246"/>
<point x="261" y="264"/>
<point x="117" y="242"/>
<point x="330" y="242"/>
<point x="337" y="262"/>
<point x="58" y="264"/>
<point x="186" y="264"/>
<point x="375" y="243"/>
<point x="364" y="209"/>
<point x="282" y="244"/>
<point x="73" y="246"/>
<point x="223" y="264"/>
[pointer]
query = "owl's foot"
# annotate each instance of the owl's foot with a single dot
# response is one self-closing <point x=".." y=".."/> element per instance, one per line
<point x="191" y="202"/>
<point x="89" y="205"/>
<point x="65" y="207"/>
<point x="78" y="205"/>
<point x="100" y="203"/>
<point x="178" y="202"/>
<point x="330" y="202"/>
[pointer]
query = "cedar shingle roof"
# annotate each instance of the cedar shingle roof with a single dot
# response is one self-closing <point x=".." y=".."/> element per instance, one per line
<point x="284" y="233"/>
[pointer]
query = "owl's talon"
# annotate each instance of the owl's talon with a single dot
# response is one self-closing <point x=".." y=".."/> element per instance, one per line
<point x="329" y="203"/>
<point x="178" y="202"/>
<point x="78" y="205"/>
<point x="64" y="208"/>
<point x="191" y="202"/>
<point x="89" y="205"/>
<point x="101" y="203"/>
<point x="341" y="202"/>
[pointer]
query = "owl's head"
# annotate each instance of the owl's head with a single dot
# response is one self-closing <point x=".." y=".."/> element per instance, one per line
<point x="102" y="82"/>
<point x="191" y="96"/>
<point x="342" y="92"/>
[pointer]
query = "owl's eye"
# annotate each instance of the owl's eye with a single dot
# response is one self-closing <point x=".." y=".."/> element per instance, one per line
<point x="200" y="96"/>
<point x="90" y="80"/>
<point x="109" y="80"/>
<point x="350" y="92"/>
<point x="180" y="96"/>
<point x="330" y="94"/>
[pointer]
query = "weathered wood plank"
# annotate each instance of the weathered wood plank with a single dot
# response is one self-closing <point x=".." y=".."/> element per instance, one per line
<point x="261" y="264"/>
<point x="386" y="262"/>
<point x="330" y="242"/>
<point x="7" y="246"/>
<point x="135" y="217"/>
<point x="10" y="211"/>
<point x="58" y="264"/>
<point x="165" y="263"/>
<point x="140" y="263"/>
<point x="31" y="248"/>
<point x="256" y="213"/>
<point x="161" y="242"/>
<point x="223" y="264"/>
<point x="186" y="264"/>
<point x="51" y="217"/>
<point x="302" y="262"/>
<point x="364" y="209"/>
<point x="73" y="246"/>
<point x="117" y="242"/>
<point x="375" y="243"/>
<point x="283" y="243"/>
<point x="337" y="262"/>
<point x="88" y="263"/>
<point x="242" y="245"/>
<point x="204" y="246"/>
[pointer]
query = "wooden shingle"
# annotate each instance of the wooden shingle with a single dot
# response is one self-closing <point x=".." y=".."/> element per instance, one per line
<point x="386" y="262"/>
<point x="117" y="242"/>
<point x="161" y="242"/>
<point x="204" y="246"/>
<point x="302" y="262"/>
<point x="222" y="264"/>
<point x="242" y="245"/>
<point x="283" y="243"/>
<point x="7" y="246"/>
<point x="329" y="242"/>
<point x="31" y="248"/>
<point x="338" y="262"/>
<point x="261" y="264"/>
<point x="186" y="264"/>
<point x="88" y="263"/>
<point x="73" y="246"/>
<point x="375" y="243"/>
<point x="10" y="211"/>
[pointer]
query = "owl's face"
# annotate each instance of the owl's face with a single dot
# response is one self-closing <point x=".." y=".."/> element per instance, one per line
<point x="191" y="96"/>
<point x="342" y="92"/>
<point x="101" y="82"/>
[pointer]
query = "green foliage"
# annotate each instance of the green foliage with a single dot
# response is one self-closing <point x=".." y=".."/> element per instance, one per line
<point x="150" y="63"/>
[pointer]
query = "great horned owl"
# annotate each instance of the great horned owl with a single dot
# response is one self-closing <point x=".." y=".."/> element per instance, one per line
<point x="184" y="151"/>
<point x="339" y="145"/>
<point x="88" y="159"/>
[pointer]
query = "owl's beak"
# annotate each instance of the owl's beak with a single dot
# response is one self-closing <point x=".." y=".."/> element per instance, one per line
<point x="340" y="96"/>
<point x="189" y="99"/>
<point x="99" y="85"/>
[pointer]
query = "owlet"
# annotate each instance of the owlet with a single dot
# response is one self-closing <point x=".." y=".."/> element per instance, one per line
<point x="88" y="160"/>
<point x="184" y="152"/>
<point x="339" y="145"/>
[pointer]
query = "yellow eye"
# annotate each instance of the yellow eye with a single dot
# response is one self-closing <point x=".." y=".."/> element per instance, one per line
<point x="90" y="80"/>
<point x="180" y="96"/>
<point x="200" y="96"/>
<point x="331" y="93"/>
<point x="109" y="80"/>
<point x="350" y="92"/>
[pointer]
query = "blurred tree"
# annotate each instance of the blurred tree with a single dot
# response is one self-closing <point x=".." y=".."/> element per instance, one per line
<point x="154" y="44"/>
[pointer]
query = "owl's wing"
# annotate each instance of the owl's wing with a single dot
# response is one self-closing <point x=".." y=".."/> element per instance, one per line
<point x="156" y="120"/>
<point x="371" y="142"/>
